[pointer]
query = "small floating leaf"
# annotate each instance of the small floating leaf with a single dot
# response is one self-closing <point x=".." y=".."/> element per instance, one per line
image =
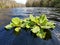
<point x="16" y="21"/>
<point x="43" y="18"/>
<point x="17" y="29"/>
<point x="9" y="26"/>
<point x="32" y="18"/>
<point x="35" y="29"/>
<point x="41" y="34"/>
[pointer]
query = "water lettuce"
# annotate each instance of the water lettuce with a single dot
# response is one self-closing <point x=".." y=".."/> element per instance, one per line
<point x="38" y="25"/>
<point x="16" y="22"/>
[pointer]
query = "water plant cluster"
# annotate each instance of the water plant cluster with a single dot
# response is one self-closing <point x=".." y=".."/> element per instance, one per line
<point x="38" y="25"/>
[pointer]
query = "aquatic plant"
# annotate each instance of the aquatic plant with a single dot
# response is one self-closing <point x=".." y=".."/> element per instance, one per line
<point x="15" y="23"/>
<point x="39" y="25"/>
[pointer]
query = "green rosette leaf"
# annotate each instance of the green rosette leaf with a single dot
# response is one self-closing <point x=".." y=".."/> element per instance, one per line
<point x="35" y="29"/>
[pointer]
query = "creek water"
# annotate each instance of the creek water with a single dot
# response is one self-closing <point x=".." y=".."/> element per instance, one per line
<point x="25" y="38"/>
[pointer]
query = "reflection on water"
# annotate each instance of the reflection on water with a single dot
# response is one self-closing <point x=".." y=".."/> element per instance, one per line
<point x="25" y="38"/>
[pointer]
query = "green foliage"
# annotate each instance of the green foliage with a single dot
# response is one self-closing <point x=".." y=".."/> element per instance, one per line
<point x="9" y="26"/>
<point x="43" y="3"/>
<point x="17" y="29"/>
<point x="35" y="29"/>
<point x="38" y="25"/>
<point x="41" y="34"/>
<point x="16" y="22"/>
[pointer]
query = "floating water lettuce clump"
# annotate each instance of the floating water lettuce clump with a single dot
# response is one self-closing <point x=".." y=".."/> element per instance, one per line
<point x="39" y="25"/>
<point x="16" y="22"/>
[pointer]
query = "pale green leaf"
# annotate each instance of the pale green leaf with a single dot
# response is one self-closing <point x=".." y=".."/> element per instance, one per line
<point x="9" y="26"/>
<point x="43" y="18"/>
<point x="32" y="18"/>
<point x="16" y="21"/>
<point x="41" y="34"/>
<point x="35" y="29"/>
<point x="17" y="29"/>
<point x="45" y="27"/>
<point x="23" y="25"/>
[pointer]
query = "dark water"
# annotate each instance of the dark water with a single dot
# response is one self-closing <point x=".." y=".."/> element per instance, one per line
<point x="25" y="38"/>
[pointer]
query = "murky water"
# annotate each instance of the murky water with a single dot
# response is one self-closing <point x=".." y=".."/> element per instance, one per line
<point x="25" y="38"/>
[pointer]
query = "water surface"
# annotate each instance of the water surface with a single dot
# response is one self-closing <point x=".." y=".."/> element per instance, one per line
<point x="25" y="38"/>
